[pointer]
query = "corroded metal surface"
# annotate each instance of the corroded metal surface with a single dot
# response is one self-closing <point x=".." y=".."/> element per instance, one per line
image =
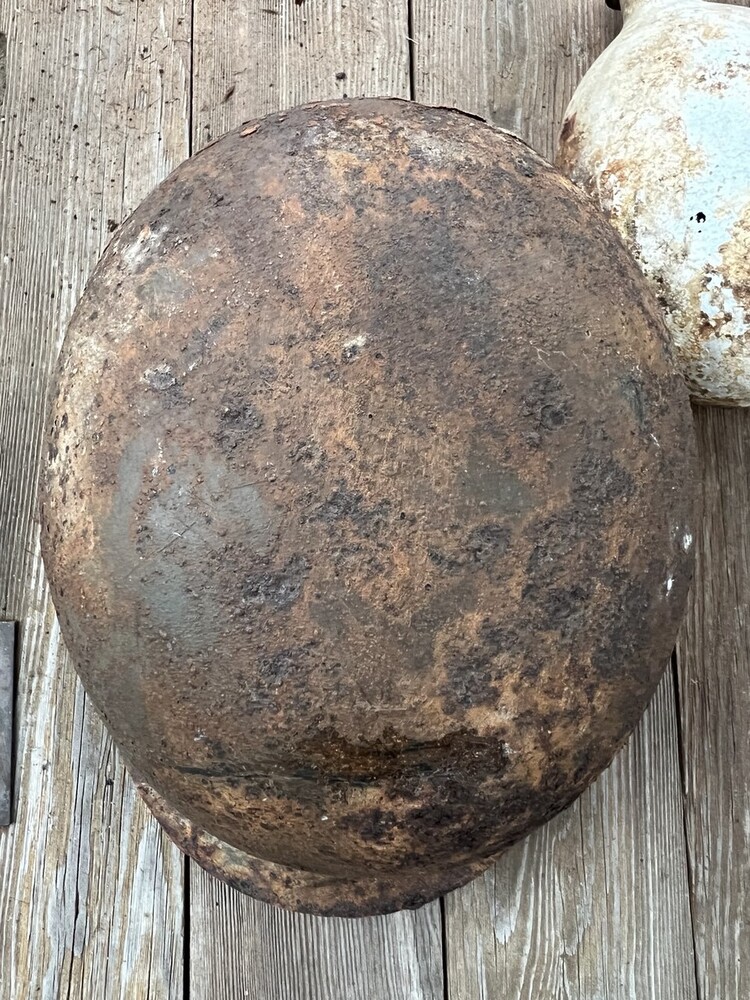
<point x="308" y="892"/>
<point x="368" y="511"/>
<point x="658" y="133"/>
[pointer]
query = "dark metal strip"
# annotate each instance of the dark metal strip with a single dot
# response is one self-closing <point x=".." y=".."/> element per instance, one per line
<point x="7" y="675"/>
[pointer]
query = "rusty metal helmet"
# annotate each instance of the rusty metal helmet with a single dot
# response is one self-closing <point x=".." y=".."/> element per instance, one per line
<point x="368" y="511"/>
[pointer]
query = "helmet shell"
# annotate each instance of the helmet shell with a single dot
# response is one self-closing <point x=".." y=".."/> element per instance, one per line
<point x="369" y="505"/>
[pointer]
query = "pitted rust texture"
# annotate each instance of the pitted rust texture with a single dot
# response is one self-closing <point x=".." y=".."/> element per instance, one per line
<point x="368" y="514"/>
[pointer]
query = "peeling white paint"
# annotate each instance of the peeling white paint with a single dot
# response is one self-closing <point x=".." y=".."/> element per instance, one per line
<point x="687" y="541"/>
<point x="661" y="138"/>
<point x="670" y="584"/>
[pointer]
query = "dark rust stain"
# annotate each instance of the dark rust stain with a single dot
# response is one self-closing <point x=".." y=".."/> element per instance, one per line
<point x="568" y="128"/>
<point x="397" y="760"/>
<point x="569" y="145"/>
<point x="279" y="588"/>
<point x="353" y="517"/>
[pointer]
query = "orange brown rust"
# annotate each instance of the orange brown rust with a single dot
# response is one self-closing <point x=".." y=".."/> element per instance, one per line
<point x="369" y="505"/>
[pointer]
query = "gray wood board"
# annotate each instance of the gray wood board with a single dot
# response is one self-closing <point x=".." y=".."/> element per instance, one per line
<point x="714" y="672"/>
<point x="7" y="692"/>
<point x="95" y="112"/>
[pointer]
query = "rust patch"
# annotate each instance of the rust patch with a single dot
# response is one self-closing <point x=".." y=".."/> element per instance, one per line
<point x="569" y="147"/>
<point x="568" y="128"/>
<point x="711" y="30"/>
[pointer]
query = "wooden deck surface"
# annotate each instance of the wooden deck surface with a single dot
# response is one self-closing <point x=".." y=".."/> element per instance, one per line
<point x="641" y="890"/>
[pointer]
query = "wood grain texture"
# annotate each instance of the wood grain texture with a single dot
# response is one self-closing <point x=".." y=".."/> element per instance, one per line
<point x="514" y="63"/>
<point x="249" y="62"/>
<point x="243" y="948"/>
<point x="95" y="111"/>
<point x="595" y="906"/>
<point x="714" y="672"/>
<point x="7" y="698"/>
<point x="252" y="59"/>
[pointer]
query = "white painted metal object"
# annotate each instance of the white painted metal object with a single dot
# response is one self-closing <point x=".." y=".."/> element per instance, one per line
<point x="658" y="133"/>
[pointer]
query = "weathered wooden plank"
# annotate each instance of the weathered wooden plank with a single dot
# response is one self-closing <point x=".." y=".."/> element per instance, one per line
<point x="7" y="699"/>
<point x="515" y="64"/>
<point x="95" y="111"/>
<point x="714" y="672"/>
<point x="260" y="951"/>
<point x="252" y="59"/>
<point x="248" y="62"/>
<point x="595" y="905"/>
